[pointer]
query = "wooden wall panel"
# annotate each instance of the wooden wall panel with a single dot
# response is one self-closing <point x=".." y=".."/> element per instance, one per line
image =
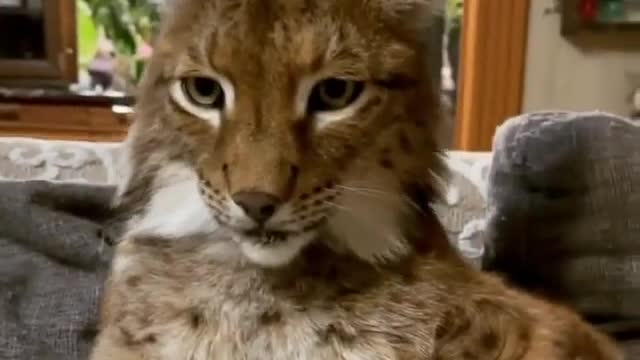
<point x="492" y="69"/>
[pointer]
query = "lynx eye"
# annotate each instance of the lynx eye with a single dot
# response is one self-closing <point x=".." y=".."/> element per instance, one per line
<point x="203" y="92"/>
<point x="334" y="94"/>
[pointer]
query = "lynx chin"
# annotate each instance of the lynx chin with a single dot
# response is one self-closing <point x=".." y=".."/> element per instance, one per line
<point x="280" y="173"/>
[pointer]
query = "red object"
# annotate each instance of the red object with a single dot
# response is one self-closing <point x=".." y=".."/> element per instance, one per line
<point x="588" y="9"/>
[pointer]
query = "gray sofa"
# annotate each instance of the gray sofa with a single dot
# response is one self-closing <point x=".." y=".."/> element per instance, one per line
<point x="553" y="209"/>
<point x="563" y="215"/>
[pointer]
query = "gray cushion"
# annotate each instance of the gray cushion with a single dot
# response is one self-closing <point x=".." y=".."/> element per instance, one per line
<point x="54" y="253"/>
<point x="564" y="210"/>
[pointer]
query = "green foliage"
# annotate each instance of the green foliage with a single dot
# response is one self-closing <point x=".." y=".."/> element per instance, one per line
<point x="125" y="22"/>
<point x="87" y="34"/>
<point x="455" y="9"/>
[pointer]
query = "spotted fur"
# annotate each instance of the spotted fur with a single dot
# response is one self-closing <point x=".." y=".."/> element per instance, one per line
<point x="353" y="264"/>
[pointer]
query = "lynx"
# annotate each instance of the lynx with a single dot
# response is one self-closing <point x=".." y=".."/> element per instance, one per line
<point x="282" y="167"/>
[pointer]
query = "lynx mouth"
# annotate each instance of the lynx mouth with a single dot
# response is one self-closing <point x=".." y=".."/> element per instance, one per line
<point x="266" y="237"/>
<point x="270" y="248"/>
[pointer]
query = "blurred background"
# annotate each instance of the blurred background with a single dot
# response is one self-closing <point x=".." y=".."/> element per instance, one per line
<point x="492" y="59"/>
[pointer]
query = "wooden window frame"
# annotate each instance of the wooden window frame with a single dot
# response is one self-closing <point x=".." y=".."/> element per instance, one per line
<point x="59" y="68"/>
<point x="494" y="42"/>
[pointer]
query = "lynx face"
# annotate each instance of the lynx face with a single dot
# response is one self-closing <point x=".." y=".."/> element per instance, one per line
<point x="294" y="120"/>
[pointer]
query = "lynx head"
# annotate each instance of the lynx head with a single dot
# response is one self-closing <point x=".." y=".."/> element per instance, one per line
<point x="285" y="122"/>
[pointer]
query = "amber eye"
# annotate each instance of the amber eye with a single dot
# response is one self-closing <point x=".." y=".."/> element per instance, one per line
<point x="334" y="94"/>
<point x="203" y="92"/>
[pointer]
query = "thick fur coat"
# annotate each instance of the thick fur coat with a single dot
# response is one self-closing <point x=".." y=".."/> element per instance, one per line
<point x="282" y="166"/>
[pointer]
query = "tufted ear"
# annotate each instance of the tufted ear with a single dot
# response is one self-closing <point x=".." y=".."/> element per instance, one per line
<point x="404" y="6"/>
<point x="418" y="11"/>
<point x="412" y="18"/>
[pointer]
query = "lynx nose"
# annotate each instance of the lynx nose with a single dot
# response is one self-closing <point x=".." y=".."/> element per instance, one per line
<point x="258" y="205"/>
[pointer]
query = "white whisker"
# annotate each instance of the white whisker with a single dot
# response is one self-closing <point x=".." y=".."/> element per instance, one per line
<point x="341" y="208"/>
<point x="382" y="195"/>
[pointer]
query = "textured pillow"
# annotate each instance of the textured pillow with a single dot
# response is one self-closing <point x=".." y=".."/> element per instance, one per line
<point x="54" y="253"/>
<point x="463" y="209"/>
<point x="56" y="160"/>
<point x="564" y="211"/>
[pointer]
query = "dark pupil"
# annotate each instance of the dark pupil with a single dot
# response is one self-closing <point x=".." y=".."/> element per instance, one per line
<point x="204" y="87"/>
<point x="334" y="88"/>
